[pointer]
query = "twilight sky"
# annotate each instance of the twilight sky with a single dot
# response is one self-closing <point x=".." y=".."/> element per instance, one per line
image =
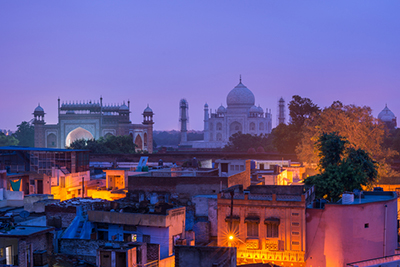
<point x="157" y="52"/>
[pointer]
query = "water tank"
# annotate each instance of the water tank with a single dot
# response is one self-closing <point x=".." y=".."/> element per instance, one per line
<point x="347" y="198"/>
<point x="153" y="198"/>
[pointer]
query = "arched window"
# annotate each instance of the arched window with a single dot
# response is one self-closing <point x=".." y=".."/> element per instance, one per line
<point x="235" y="127"/>
<point x="138" y="142"/>
<point x="211" y="126"/>
<point x="51" y="140"/>
<point x="219" y="137"/>
<point x="219" y="126"/>
<point x="145" y="139"/>
<point x="261" y="126"/>
<point x="78" y="133"/>
<point x="252" y="126"/>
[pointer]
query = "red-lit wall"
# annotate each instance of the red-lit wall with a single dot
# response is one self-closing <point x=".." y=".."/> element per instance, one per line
<point x="337" y="235"/>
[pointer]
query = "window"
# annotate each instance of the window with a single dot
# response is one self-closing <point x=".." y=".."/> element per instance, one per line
<point x="219" y="126"/>
<point x="272" y="230"/>
<point x="130" y="228"/>
<point x="296" y="243"/>
<point x="252" y="229"/>
<point x="103" y="235"/>
<point x="130" y="237"/>
<point x="236" y="167"/>
<point x="262" y="166"/>
<point x="295" y="233"/>
<point x="295" y="224"/>
<point x="295" y="214"/>
<point x="366" y="225"/>
<point x="242" y="167"/>
<point x="232" y="167"/>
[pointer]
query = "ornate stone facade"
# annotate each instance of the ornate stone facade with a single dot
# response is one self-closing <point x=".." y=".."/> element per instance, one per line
<point x="240" y="115"/>
<point x="92" y="120"/>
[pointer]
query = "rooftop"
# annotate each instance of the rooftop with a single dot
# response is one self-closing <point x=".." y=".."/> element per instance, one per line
<point x="26" y="148"/>
<point x="25" y="230"/>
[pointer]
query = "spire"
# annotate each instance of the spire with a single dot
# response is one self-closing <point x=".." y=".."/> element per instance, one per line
<point x="240" y="78"/>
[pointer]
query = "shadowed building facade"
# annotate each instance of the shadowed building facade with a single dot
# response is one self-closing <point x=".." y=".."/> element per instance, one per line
<point x="89" y="120"/>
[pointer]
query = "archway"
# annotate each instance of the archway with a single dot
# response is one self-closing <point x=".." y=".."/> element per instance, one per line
<point x="252" y="126"/>
<point x="51" y="141"/>
<point x="138" y="142"/>
<point x="235" y="127"/>
<point x="108" y="134"/>
<point x="219" y="137"/>
<point x="78" y="133"/>
<point x="219" y="126"/>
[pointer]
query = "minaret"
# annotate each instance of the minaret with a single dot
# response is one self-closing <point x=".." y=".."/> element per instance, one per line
<point x="183" y="114"/>
<point x="206" y="117"/>
<point x="281" y="111"/>
<point x="38" y="123"/>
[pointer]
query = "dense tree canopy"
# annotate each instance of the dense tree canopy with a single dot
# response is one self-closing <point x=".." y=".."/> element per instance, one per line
<point x="342" y="167"/>
<point x="286" y="137"/>
<point x="243" y="142"/>
<point x="25" y="134"/>
<point x="356" y="124"/>
<point x="109" y="145"/>
<point x="173" y="138"/>
<point x="7" y="140"/>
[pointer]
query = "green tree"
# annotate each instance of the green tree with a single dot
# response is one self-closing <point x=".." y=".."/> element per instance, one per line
<point x="25" y="134"/>
<point x="356" y="124"/>
<point x="342" y="167"/>
<point x="286" y="137"/>
<point x="109" y="145"/>
<point x="242" y="142"/>
<point x="7" y="140"/>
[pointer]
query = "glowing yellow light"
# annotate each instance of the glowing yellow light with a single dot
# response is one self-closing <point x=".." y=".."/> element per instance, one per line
<point x="231" y="237"/>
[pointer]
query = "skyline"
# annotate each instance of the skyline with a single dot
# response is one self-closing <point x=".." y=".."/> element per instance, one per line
<point x="159" y="52"/>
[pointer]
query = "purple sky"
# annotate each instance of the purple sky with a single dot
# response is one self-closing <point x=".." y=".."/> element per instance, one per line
<point x="157" y="52"/>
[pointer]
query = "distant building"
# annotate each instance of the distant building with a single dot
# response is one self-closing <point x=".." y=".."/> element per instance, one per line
<point x="89" y="120"/>
<point x="240" y="115"/>
<point x="388" y="117"/>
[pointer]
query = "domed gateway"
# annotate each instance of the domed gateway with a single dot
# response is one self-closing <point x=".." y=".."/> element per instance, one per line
<point x="240" y="115"/>
<point x="92" y="119"/>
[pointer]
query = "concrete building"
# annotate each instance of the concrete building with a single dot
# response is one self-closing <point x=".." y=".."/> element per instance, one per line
<point x="359" y="227"/>
<point x="267" y="224"/>
<point x="90" y="120"/>
<point x="29" y="169"/>
<point x="25" y="246"/>
<point x="240" y="115"/>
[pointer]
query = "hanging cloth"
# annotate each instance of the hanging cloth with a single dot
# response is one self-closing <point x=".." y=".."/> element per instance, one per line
<point x="15" y="185"/>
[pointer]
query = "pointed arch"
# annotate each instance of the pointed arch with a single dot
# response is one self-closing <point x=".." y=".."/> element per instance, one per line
<point x="145" y="139"/>
<point x="139" y="142"/>
<point x="78" y="133"/>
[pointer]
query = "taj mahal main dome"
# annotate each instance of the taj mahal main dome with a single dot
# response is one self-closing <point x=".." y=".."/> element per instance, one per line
<point x="240" y="96"/>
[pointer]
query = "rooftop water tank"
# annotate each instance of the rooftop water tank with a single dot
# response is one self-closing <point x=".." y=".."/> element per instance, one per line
<point x="347" y="198"/>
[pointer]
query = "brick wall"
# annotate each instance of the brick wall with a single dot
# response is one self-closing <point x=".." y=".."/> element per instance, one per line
<point x="243" y="178"/>
<point x="39" y="242"/>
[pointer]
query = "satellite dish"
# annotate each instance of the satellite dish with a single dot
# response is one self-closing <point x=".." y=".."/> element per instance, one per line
<point x="24" y="214"/>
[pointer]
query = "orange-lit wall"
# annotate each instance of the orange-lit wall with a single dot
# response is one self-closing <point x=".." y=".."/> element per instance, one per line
<point x="337" y="235"/>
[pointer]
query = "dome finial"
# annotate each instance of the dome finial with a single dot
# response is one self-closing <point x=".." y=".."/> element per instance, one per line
<point x="240" y="78"/>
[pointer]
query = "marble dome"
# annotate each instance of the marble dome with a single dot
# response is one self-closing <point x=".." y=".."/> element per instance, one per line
<point x="148" y="110"/>
<point x="240" y="96"/>
<point x="386" y="115"/>
<point x="221" y="109"/>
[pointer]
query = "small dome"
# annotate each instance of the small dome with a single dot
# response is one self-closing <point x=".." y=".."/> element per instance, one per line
<point x="39" y="109"/>
<point x="148" y="110"/>
<point x="254" y="109"/>
<point x="123" y="107"/>
<point x="386" y="115"/>
<point x="240" y="96"/>
<point x="260" y="109"/>
<point x="221" y="109"/>
<point x="206" y="105"/>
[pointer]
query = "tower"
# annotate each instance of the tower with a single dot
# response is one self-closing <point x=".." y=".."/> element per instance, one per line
<point x="38" y="123"/>
<point x="183" y="118"/>
<point x="148" y="120"/>
<point x="206" y="119"/>
<point x="281" y="111"/>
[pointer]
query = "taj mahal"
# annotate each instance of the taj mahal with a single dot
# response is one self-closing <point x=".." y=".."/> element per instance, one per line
<point x="240" y="115"/>
<point x="92" y="120"/>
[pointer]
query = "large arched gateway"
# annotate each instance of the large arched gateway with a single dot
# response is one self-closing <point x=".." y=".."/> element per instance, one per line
<point x="91" y="119"/>
<point x="78" y="133"/>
